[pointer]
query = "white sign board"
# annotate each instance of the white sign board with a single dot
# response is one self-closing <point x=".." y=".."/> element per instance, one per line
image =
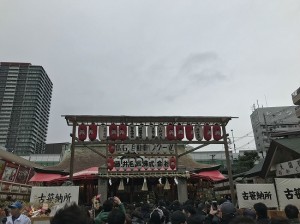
<point x="54" y="195"/>
<point x="250" y="194"/>
<point x="288" y="191"/>
<point x="288" y="168"/>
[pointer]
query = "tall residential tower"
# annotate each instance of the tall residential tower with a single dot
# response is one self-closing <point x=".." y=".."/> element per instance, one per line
<point x="25" y="98"/>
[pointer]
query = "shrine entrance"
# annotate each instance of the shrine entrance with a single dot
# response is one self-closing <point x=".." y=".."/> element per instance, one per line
<point x="142" y="153"/>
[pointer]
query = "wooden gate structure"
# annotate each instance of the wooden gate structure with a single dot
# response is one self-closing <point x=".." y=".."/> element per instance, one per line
<point x="146" y="146"/>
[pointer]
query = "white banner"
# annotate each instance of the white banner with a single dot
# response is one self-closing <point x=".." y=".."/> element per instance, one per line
<point x="288" y="191"/>
<point x="56" y="195"/>
<point x="250" y="194"/>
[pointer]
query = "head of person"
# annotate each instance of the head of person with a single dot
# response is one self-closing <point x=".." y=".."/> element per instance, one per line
<point x="15" y="209"/>
<point x="291" y="212"/>
<point x="189" y="210"/>
<point x="196" y="219"/>
<point x="70" y="214"/>
<point x="178" y="217"/>
<point x="116" y="216"/>
<point x="261" y="210"/>
<point x="242" y="220"/>
<point x="108" y="205"/>
<point x="279" y="220"/>
<point x="228" y="211"/>
<point x="249" y="213"/>
<point x="157" y="216"/>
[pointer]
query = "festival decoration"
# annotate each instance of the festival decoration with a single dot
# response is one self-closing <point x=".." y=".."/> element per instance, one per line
<point x="82" y="130"/>
<point x="92" y="132"/>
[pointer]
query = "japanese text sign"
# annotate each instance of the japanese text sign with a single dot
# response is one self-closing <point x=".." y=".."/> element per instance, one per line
<point x="288" y="191"/>
<point x="250" y="194"/>
<point x="56" y="195"/>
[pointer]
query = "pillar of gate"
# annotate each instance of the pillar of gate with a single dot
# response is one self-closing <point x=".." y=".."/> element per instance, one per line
<point x="182" y="186"/>
<point x="102" y="184"/>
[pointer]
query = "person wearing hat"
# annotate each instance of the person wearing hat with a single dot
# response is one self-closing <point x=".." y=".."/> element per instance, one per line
<point x="16" y="217"/>
<point x="178" y="217"/>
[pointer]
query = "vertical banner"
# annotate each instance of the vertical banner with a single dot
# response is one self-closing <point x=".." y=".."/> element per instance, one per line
<point x="288" y="191"/>
<point x="250" y="194"/>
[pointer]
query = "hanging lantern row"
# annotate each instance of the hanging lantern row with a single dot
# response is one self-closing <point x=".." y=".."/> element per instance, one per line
<point x="169" y="132"/>
<point x="141" y="163"/>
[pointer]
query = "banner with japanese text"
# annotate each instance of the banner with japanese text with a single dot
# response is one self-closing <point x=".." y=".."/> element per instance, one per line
<point x="54" y="195"/>
<point x="288" y="191"/>
<point x="250" y="194"/>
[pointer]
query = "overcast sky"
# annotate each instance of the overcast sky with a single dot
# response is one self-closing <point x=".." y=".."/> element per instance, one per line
<point x="158" y="58"/>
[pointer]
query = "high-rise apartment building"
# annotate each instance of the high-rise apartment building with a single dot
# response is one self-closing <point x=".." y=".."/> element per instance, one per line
<point x="268" y="121"/>
<point x="25" y="98"/>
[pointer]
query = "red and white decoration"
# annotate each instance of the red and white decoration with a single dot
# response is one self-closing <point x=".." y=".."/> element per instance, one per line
<point x="217" y="133"/>
<point x="207" y="132"/>
<point x="198" y="132"/>
<point x="189" y="132"/>
<point x="179" y="132"/>
<point x="132" y="132"/>
<point x="92" y="132"/>
<point x="82" y="132"/>
<point x="170" y="132"/>
<point x="113" y="132"/>
<point x="122" y="132"/>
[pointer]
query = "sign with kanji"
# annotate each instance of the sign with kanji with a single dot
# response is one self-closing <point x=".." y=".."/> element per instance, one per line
<point x="288" y="191"/>
<point x="54" y="195"/>
<point x="288" y="168"/>
<point x="250" y="194"/>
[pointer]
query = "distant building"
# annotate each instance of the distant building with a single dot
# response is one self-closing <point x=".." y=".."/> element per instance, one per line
<point x="25" y="97"/>
<point x="269" y="121"/>
<point x="296" y="101"/>
<point x="53" y="155"/>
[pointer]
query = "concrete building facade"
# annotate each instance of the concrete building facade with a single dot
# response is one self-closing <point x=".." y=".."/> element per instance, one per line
<point x="268" y="121"/>
<point x="25" y="98"/>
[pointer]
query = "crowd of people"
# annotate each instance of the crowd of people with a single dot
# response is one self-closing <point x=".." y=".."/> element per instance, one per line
<point x="113" y="211"/>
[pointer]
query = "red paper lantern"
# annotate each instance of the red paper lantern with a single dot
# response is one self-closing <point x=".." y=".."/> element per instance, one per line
<point x="179" y="132"/>
<point x="172" y="162"/>
<point x="92" y="132"/>
<point x="113" y="132"/>
<point x="110" y="163"/>
<point x="170" y="132"/>
<point x="111" y="148"/>
<point x="189" y="132"/>
<point x="82" y="130"/>
<point x="123" y="132"/>
<point x="207" y="132"/>
<point x="217" y="134"/>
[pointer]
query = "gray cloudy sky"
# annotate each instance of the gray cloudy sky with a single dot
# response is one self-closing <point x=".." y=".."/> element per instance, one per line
<point x="158" y="57"/>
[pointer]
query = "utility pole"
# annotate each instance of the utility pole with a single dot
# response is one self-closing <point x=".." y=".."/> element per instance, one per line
<point x="233" y="141"/>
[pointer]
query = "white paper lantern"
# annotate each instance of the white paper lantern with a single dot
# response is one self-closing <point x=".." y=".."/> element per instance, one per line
<point x="117" y="163"/>
<point x="146" y="163"/>
<point x="166" y="163"/>
<point x="159" y="163"/>
<point x="152" y="164"/>
<point x="138" y="163"/>
<point x="132" y="132"/>
<point x="142" y="131"/>
<point x="125" y="163"/>
<point x="102" y="132"/>
<point x="151" y="132"/>
<point x="198" y="132"/>
<point x="161" y="131"/>
<point x="132" y="163"/>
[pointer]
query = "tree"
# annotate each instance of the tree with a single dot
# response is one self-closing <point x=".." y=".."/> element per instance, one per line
<point x="245" y="162"/>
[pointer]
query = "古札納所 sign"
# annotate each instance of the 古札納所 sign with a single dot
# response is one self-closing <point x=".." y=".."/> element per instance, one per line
<point x="54" y="195"/>
<point x="288" y="191"/>
<point x="250" y="194"/>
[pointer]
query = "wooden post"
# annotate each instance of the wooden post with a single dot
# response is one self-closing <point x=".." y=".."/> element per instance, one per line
<point x="228" y="165"/>
<point x="72" y="151"/>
